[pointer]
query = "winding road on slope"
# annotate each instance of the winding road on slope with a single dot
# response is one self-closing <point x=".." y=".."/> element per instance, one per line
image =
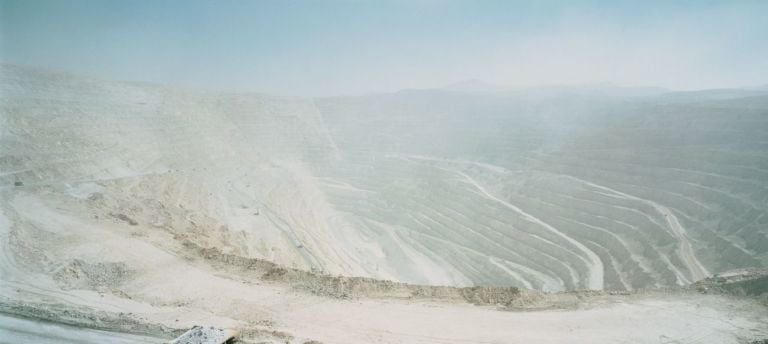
<point x="596" y="278"/>
<point x="685" y="251"/>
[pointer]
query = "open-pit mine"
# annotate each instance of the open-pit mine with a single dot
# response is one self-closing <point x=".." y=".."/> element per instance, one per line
<point x="131" y="212"/>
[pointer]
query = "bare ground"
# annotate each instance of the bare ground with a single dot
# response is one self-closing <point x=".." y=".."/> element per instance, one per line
<point x="77" y="261"/>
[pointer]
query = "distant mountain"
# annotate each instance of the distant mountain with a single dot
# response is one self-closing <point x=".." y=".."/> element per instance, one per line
<point x="758" y="88"/>
<point x="716" y="94"/>
<point x="473" y="86"/>
<point x="604" y="89"/>
<point x="601" y="89"/>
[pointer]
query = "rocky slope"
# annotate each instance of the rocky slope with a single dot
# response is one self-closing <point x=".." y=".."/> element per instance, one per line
<point x="429" y="216"/>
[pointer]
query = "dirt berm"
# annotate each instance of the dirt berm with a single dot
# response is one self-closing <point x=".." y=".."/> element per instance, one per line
<point x="352" y="287"/>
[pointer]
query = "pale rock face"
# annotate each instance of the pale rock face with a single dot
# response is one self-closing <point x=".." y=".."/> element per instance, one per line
<point x="560" y="189"/>
<point x="143" y="208"/>
<point x="537" y="190"/>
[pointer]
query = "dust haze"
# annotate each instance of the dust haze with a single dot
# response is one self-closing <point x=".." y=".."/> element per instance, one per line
<point x="435" y="172"/>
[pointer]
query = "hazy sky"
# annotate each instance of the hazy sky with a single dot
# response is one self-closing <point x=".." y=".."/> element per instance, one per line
<point x="341" y="47"/>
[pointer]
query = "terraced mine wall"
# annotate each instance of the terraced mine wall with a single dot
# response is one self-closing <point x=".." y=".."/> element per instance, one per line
<point x="549" y="191"/>
<point x="526" y="189"/>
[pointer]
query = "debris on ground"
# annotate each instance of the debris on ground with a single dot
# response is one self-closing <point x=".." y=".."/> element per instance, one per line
<point x="206" y="335"/>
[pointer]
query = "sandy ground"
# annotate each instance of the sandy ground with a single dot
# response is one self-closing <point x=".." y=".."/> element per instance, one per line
<point x="61" y="263"/>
